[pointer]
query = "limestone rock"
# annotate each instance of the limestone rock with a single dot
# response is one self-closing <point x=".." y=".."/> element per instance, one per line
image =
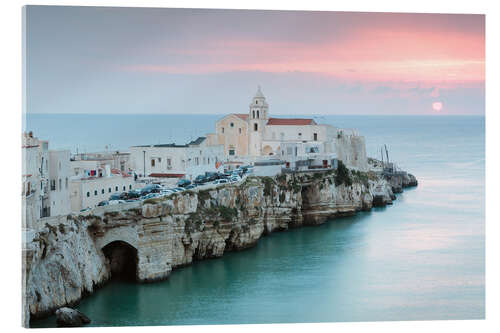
<point x="63" y="264"/>
<point x="67" y="317"/>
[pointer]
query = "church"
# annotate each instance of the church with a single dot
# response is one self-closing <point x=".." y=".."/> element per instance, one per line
<point x="256" y="134"/>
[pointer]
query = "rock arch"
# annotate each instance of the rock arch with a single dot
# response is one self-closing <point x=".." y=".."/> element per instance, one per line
<point x="124" y="234"/>
<point x="122" y="260"/>
<point x="121" y="249"/>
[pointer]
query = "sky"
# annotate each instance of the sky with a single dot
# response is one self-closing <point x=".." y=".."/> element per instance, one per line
<point x="145" y="60"/>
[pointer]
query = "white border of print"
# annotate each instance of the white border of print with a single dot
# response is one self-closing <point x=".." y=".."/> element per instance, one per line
<point x="11" y="124"/>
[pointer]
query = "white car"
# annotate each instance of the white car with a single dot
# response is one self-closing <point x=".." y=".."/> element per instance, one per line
<point x="166" y="192"/>
<point x="220" y="181"/>
<point x="115" y="202"/>
<point x="235" y="179"/>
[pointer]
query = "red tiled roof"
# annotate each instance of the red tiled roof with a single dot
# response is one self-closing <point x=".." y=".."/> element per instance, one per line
<point x="290" y="121"/>
<point x="243" y="116"/>
<point x="166" y="175"/>
<point x="118" y="172"/>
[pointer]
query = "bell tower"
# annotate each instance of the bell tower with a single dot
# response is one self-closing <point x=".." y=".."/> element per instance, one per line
<point x="257" y="120"/>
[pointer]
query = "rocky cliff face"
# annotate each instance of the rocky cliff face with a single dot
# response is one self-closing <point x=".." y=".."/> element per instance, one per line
<point x="66" y="261"/>
<point x="62" y="264"/>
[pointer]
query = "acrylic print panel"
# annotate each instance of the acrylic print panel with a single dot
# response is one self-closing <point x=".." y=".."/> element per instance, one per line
<point x="196" y="166"/>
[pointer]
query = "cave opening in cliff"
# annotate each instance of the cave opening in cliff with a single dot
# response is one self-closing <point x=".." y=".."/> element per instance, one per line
<point x="122" y="259"/>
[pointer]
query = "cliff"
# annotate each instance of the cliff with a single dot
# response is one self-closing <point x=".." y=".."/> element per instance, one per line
<point x="68" y="259"/>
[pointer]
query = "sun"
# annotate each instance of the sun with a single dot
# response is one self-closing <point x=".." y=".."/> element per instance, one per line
<point x="437" y="106"/>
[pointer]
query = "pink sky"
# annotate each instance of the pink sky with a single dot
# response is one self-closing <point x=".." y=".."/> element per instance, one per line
<point x="365" y="53"/>
<point x="340" y="62"/>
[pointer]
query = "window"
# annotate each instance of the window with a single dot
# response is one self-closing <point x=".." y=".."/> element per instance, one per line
<point x="231" y="152"/>
<point x="66" y="183"/>
<point x="159" y="159"/>
<point x="315" y="136"/>
<point x="60" y="184"/>
<point x="124" y="188"/>
<point x="95" y="192"/>
<point x="253" y="114"/>
<point x="102" y="191"/>
<point x="88" y="194"/>
<point x="255" y="127"/>
<point x="232" y="124"/>
<point x="116" y="188"/>
<point x="257" y="113"/>
<point x="130" y="187"/>
<point x="153" y="162"/>
<point x="256" y="102"/>
<point x="282" y="136"/>
<point x="169" y="162"/>
<point x="300" y="135"/>
<point x="59" y="165"/>
<point x="222" y="129"/>
<point x="239" y="130"/>
<point x="109" y="190"/>
<point x="52" y="184"/>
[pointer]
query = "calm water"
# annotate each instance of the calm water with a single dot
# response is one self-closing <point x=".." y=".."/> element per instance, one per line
<point x="422" y="258"/>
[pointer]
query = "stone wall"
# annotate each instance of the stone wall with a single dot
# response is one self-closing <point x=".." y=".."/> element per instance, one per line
<point x="351" y="149"/>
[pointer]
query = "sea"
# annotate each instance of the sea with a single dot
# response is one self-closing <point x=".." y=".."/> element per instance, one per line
<point x="422" y="258"/>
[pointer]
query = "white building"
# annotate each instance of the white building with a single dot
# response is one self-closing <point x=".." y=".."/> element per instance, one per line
<point x="89" y="191"/>
<point x="116" y="160"/>
<point x="177" y="161"/>
<point x="253" y="135"/>
<point x="59" y="177"/>
<point x="307" y="155"/>
<point x="33" y="187"/>
<point x="95" y="178"/>
<point x="45" y="175"/>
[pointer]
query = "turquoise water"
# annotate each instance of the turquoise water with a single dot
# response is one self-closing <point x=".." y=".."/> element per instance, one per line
<point x="420" y="259"/>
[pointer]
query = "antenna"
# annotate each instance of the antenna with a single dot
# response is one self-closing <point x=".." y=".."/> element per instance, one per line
<point x="386" y="153"/>
<point x="382" y="155"/>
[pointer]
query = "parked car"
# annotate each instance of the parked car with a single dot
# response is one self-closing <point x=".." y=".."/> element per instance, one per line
<point x="103" y="203"/>
<point x="220" y="181"/>
<point x="149" y="196"/>
<point x="235" y="179"/>
<point x="201" y="179"/>
<point x="166" y="192"/>
<point x="183" y="183"/>
<point x="211" y="176"/>
<point x="115" y="202"/>
<point x="151" y="188"/>
<point x="134" y="194"/>
<point x="190" y="187"/>
<point x="180" y="189"/>
<point x="118" y="196"/>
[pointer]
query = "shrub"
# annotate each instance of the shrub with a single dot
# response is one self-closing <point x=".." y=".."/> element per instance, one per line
<point x="342" y="176"/>
<point x="282" y="197"/>
<point x="150" y="201"/>
<point x="268" y="183"/>
<point x="228" y="213"/>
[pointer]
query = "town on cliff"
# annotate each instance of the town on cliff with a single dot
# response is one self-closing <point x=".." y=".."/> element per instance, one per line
<point x="144" y="212"/>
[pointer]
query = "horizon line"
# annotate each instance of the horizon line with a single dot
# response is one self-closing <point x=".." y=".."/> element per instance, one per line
<point x="277" y="114"/>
